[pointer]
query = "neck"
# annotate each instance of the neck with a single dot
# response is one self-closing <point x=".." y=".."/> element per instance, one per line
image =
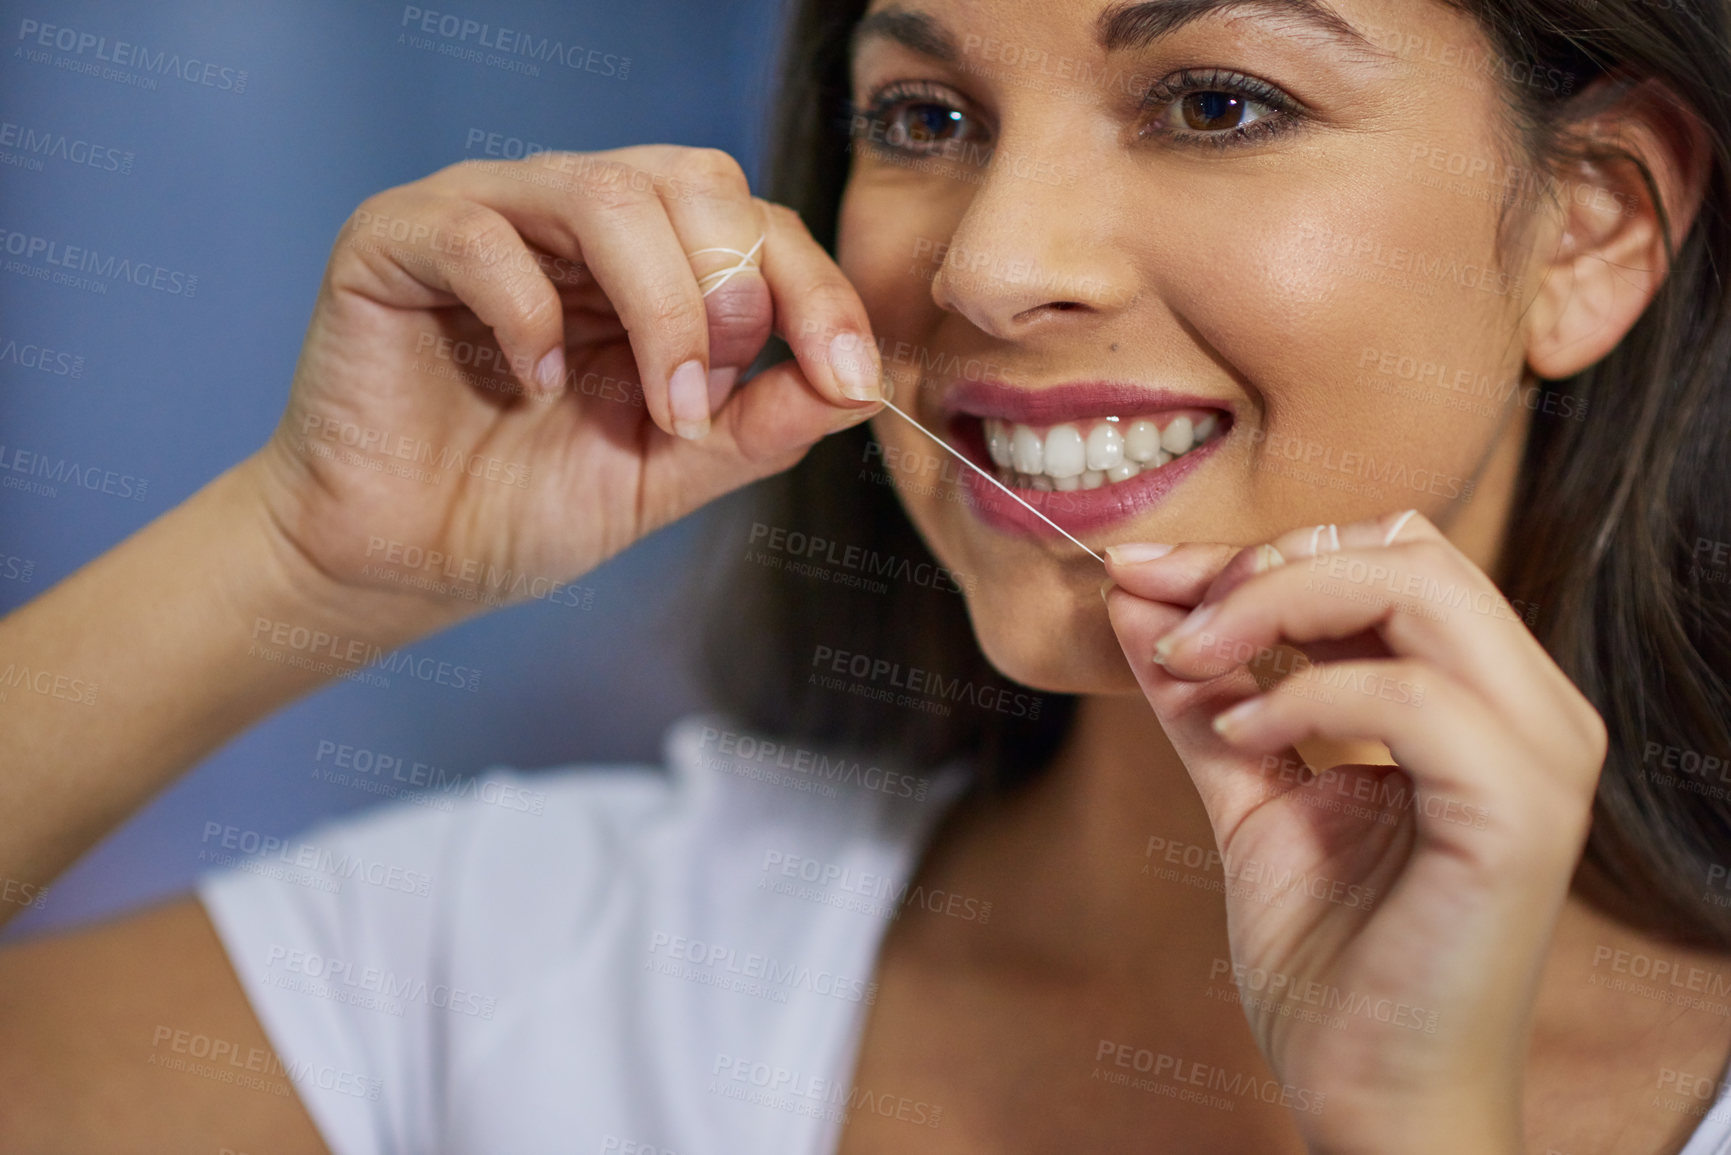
<point x="1062" y="858"/>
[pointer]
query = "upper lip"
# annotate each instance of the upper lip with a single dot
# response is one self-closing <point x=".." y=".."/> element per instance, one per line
<point x="1071" y="401"/>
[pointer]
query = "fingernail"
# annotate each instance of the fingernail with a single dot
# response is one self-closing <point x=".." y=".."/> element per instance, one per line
<point x="551" y="371"/>
<point x="688" y="397"/>
<point x="1137" y="552"/>
<point x="853" y="367"/>
<point x="721" y="382"/>
<point x="1106" y="588"/>
<point x="1198" y="618"/>
<point x="1267" y="557"/>
<point x="1228" y="721"/>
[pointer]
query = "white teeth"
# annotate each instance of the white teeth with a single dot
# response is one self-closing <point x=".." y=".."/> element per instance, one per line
<point x="1105" y="446"/>
<point x="1142" y="441"/>
<point x="1178" y="436"/>
<point x="1123" y="471"/>
<point x="1026" y="451"/>
<point x="1112" y="450"/>
<point x="1066" y="456"/>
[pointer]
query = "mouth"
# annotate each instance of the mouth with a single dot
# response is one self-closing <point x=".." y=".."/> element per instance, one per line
<point x="1087" y="455"/>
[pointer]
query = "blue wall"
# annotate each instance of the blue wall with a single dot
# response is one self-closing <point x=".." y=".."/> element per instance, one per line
<point x="243" y="182"/>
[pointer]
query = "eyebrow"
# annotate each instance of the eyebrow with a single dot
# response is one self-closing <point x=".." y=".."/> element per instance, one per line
<point x="914" y="30"/>
<point x="1125" y="26"/>
<point x="1120" y="27"/>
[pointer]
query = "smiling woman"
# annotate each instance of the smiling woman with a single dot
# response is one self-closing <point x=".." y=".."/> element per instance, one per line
<point x="1381" y="349"/>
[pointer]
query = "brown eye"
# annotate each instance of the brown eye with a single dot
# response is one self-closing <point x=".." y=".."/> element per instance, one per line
<point x="926" y="123"/>
<point x="1212" y="111"/>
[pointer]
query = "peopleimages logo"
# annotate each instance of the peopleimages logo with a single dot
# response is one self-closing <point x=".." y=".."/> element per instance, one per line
<point x="461" y="32"/>
<point x="124" y="54"/>
<point x="53" y="254"/>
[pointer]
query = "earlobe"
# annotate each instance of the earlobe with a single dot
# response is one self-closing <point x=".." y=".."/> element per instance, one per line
<point x="1610" y="256"/>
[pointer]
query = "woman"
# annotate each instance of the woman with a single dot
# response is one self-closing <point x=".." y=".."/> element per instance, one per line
<point x="1358" y="337"/>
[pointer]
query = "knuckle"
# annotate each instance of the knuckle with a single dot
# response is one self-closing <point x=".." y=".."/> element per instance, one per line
<point x="830" y="296"/>
<point x="710" y="172"/>
<point x="535" y="304"/>
<point x="675" y="308"/>
<point x="783" y="218"/>
<point x="479" y="235"/>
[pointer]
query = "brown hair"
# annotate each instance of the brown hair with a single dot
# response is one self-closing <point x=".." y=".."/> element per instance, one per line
<point x="1611" y="518"/>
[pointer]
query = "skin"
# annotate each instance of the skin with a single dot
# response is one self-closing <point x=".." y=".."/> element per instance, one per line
<point x="581" y="263"/>
<point x="1241" y="307"/>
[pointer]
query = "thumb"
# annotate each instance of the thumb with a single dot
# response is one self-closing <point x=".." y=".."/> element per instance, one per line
<point x="1230" y="782"/>
<point x="768" y="424"/>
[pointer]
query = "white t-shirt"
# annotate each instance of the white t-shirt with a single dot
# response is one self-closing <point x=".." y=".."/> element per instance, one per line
<point x="603" y="960"/>
<point x="607" y="960"/>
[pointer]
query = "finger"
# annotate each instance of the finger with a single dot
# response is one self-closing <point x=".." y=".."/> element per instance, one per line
<point x="620" y="231"/>
<point x="451" y="249"/>
<point x="819" y="313"/>
<point x="1185" y="709"/>
<point x="1443" y="735"/>
<point x="1179" y="575"/>
<point x="1419" y="598"/>
<point x="723" y="231"/>
<point x="766" y="426"/>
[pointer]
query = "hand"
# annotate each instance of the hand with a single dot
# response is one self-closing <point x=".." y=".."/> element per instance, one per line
<point x="502" y="356"/>
<point x="1408" y="906"/>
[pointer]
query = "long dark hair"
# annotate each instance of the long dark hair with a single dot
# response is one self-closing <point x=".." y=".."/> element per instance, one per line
<point x="1617" y="533"/>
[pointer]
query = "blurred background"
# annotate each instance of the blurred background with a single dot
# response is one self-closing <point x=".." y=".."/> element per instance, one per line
<point x="228" y="140"/>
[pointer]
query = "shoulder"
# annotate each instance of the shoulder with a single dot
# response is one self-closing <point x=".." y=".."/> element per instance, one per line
<point x="539" y="923"/>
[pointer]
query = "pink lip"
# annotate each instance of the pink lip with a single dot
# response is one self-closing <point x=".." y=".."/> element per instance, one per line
<point x="1079" y="511"/>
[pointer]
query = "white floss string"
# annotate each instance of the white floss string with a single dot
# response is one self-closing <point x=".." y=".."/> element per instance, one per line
<point x="726" y="274"/>
<point x="965" y="460"/>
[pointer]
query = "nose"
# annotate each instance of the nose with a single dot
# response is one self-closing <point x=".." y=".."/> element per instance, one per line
<point x="1035" y="247"/>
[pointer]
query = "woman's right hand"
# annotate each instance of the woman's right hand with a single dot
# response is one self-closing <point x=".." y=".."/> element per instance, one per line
<point x="511" y="366"/>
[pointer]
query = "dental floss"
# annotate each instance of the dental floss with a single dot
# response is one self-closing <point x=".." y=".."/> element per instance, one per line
<point x="726" y="275"/>
<point x="970" y="464"/>
<point x="745" y="262"/>
<point x="1400" y="524"/>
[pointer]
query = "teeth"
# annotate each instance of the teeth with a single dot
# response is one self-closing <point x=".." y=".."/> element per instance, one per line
<point x="1105" y="446"/>
<point x="1178" y="436"/>
<point x="1066" y="455"/>
<point x="1026" y="451"/>
<point x="1123" y="471"/>
<point x="1112" y="450"/>
<point x="1142" y="441"/>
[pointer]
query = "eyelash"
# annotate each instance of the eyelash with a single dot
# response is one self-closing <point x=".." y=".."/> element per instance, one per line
<point x="1285" y="112"/>
<point x="886" y="100"/>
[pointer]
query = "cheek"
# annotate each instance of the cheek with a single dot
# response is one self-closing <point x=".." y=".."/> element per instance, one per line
<point x="1376" y="331"/>
<point x="889" y="241"/>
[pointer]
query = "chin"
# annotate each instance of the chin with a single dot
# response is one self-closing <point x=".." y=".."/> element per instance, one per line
<point x="1051" y="641"/>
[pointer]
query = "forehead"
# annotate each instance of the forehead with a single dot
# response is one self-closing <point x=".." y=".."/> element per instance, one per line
<point x="930" y="26"/>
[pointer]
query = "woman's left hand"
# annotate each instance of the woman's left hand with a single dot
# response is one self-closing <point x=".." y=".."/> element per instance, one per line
<point x="1408" y="907"/>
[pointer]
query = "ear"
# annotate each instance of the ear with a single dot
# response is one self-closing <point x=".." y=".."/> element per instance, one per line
<point x="1609" y="257"/>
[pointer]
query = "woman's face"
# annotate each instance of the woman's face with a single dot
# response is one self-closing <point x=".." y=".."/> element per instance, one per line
<point x="1230" y="269"/>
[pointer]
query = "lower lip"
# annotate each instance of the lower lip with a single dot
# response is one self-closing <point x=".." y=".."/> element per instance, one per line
<point x="1079" y="510"/>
